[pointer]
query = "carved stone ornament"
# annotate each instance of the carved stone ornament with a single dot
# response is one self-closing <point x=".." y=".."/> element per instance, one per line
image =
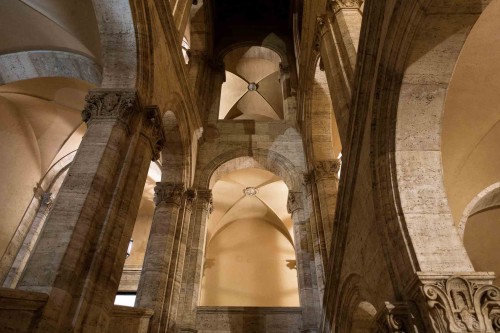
<point x="460" y="304"/>
<point x="168" y="193"/>
<point x="103" y="103"/>
<point x="153" y="130"/>
<point x="294" y="202"/>
<point x="205" y="198"/>
<point x="326" y="169"/>
<point x="47" y="202"/>
<point x="395" y="318"/>
<point x="191" y="195"/>
<point x="337" y="5"/>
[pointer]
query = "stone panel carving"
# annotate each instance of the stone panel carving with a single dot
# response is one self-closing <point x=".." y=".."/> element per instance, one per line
<point x="168" y="193"/>
<point x="102" y="103"/>
<point x="462" y="304"/>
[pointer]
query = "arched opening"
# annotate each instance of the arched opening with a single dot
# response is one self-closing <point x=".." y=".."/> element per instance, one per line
<point x="252" y="89"/>
<point x="249" y="255"/>
<point x="40" y="124"/>
<point x="363" y="318"/>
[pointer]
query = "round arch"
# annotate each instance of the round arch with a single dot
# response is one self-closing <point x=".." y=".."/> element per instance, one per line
<point x="407" y="153"/>
<point x="256" y="158"/>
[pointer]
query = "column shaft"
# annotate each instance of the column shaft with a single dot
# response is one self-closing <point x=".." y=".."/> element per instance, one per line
<point x="194" y="266"/>
<point x="83" y="236"/>
<point x="154" y="276"/>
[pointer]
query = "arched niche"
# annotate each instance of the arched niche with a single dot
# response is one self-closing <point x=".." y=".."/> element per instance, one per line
<point x="249" y="255"/>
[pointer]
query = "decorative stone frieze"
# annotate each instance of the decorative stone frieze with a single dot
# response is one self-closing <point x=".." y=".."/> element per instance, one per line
<point x="110" y="104"/>
<point x="168" y="193"/>
<point x="336" y="5"/>
<point x="153" y="130"/>
<point x="461" y="303"/>
<point x="326" y="169"/>
<point x="294" y="202"/>
<point x="395" y="318"/>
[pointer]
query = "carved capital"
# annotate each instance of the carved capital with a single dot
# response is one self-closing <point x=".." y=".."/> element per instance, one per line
<point x="153" y="130"/>
<point x="168" y="193"/>
<point x="326" y="169"/>
<point x="336" y="5"/>
<point x="205" y="198"/>
<point x="395" y="318"/>
<point x="460" y="303"/>
<point x="294" y="202"/>
<point x="110" y="104"/>
<point x="191" y="195"/>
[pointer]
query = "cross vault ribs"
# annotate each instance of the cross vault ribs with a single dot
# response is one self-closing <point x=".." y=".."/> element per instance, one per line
<point x="447" y="303"/>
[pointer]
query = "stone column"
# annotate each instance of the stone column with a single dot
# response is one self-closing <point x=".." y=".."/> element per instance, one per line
<point x="327" y="182"/>
<point x="80" y="253"/>
<point x="308" y="290"/>
<point x="14" y="274"/>
<point x="337" y="40"/>
<point x="154" y="276"/>
<point x="177" y="264"/>
<point x="194" y="266"/>
<point x="316" y="239"/>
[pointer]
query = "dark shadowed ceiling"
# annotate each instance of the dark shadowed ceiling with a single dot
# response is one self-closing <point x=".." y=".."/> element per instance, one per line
<point x="242" y="21"/>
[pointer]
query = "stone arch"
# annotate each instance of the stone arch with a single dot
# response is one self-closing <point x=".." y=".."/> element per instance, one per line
<point x="412" y="85"/>
<point x="118" y="43"/>
<point x="173" y="153"/>
<point x="275" y="44"/>
<point x="320" y="120"/>
<point x="255" y="158"/>
<point x="354" y="301"/>
<point x="486" y="199"/>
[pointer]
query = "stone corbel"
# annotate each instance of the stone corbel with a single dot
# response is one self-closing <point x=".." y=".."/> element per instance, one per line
<point x="326" y="169"/>
<point x="166" y="192"/>
<point x="336" y="5"/>
<point x="105" y="104"/>
<point x="395" y="318"/>
<point x="459" y="303"/>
